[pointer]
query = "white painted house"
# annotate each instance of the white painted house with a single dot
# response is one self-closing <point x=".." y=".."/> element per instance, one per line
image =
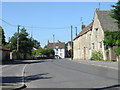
<point x="59" y="49"/>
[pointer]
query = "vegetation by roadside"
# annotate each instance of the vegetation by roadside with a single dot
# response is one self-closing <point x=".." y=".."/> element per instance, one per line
<point x="97" y="55"/>
<point x="43" y="53"/>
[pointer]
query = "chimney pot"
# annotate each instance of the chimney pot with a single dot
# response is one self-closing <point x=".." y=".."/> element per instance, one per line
<point x="83" y="26"/>
<point x="97" y="9"/>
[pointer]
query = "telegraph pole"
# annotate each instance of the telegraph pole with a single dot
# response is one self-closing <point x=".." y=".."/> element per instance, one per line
<point x="18" y="39"/>
<point x="76" y="30"/>
<point x="53" y="38"/>
<point x="71" y="43"/>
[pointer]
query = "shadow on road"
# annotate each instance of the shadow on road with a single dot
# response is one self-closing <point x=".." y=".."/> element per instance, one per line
<point x="22" y="62"/>
<point x="36" y="77"/>
<point x="109" y="87"/>
<point x="18" y="79"/>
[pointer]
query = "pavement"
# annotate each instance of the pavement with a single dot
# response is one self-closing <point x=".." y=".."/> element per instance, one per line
<point x="60" y="73"/>
<point x="12" y="74"/>
<point x="63" y="73"/>
<point x="106" y="64"/>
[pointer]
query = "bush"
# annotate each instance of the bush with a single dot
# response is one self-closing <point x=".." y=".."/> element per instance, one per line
<point x="117" y="51"/>
<point x="44" y="52"/>
<point x="35" y="52"/>
<point x="97" y="55"/>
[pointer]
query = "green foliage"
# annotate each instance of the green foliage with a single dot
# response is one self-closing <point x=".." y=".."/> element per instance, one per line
<point x="26" y="44"/>
<point x="116" y="13"/>
<point x="50" y="52"/>
<point x="117" y="51"/>
<point x="97" y="55"/>
<point x="45" y="46"/>
<point x="36" y="44"/>
<point x="112" y="39"/>
<point x="43" y="51"/>
<point x="2" y="37"/>
<point x="36" y="53"/>
<point x="14" y="51"/>
<point x="47" y="52"/>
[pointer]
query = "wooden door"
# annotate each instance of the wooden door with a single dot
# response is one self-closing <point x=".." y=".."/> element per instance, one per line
<point x="84" y="53"/>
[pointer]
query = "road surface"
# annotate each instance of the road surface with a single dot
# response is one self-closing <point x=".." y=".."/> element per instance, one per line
<point x="58" y="73"/>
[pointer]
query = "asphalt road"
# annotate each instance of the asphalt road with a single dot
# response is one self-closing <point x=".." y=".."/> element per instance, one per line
<point x="60" y="73"/>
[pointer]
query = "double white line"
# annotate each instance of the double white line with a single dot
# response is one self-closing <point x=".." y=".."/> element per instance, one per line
<point x="23" y="79"/>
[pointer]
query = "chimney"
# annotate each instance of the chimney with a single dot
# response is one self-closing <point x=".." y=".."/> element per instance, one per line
<point x="97" y="9"/>
<point x="83" y="26"/>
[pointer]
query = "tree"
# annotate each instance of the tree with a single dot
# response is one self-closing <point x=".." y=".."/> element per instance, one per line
<point x="2" y="37"/>
<point x="36" y="44"/>
<point x="25" y="44"/>
<point x="13" y="42"/>
<point x="36" y="53"/>
<point x="113" y="39"/>
<point x="46" y="46"/>
<point x="49" y="53"/>
<point x="116" y="13"/>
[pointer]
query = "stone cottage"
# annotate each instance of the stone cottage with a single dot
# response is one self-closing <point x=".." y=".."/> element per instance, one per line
<point x="82" y="43"/>
<point x="93" y="36"/>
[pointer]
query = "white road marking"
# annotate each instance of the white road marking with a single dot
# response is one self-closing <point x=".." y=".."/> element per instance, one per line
<point x="23" y="74"/>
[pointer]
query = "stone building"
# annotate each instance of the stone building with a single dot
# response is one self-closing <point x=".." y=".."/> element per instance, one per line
<point x="103" y="22"/>
<point x="82" y="43"/>
<point x="91" y="37"/>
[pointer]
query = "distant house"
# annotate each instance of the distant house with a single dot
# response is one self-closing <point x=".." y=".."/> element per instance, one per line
<point x="91" y="37"/>
<point x="59" y="49"/>
<point x="4" y="53"/>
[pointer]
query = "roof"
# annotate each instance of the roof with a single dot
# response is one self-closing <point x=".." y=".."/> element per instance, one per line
<point x="3" y="48"/>
<point x="59" y="45"/>
<point x="85" y="30"/>
<point x="106" y="21"/>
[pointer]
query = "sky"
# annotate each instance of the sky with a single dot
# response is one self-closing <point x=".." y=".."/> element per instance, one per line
<point x="48" y="18"/>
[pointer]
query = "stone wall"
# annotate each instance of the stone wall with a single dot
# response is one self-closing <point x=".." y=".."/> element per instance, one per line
<point x="20" y="56"/>
<point x="4" y="55"/>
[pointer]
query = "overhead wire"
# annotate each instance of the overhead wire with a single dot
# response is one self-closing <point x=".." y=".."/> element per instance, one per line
<point x="8" y="23"/>
<point x="33" y="27"/>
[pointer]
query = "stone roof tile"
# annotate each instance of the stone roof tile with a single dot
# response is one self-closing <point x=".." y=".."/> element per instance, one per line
<point x="106" y="21"/>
